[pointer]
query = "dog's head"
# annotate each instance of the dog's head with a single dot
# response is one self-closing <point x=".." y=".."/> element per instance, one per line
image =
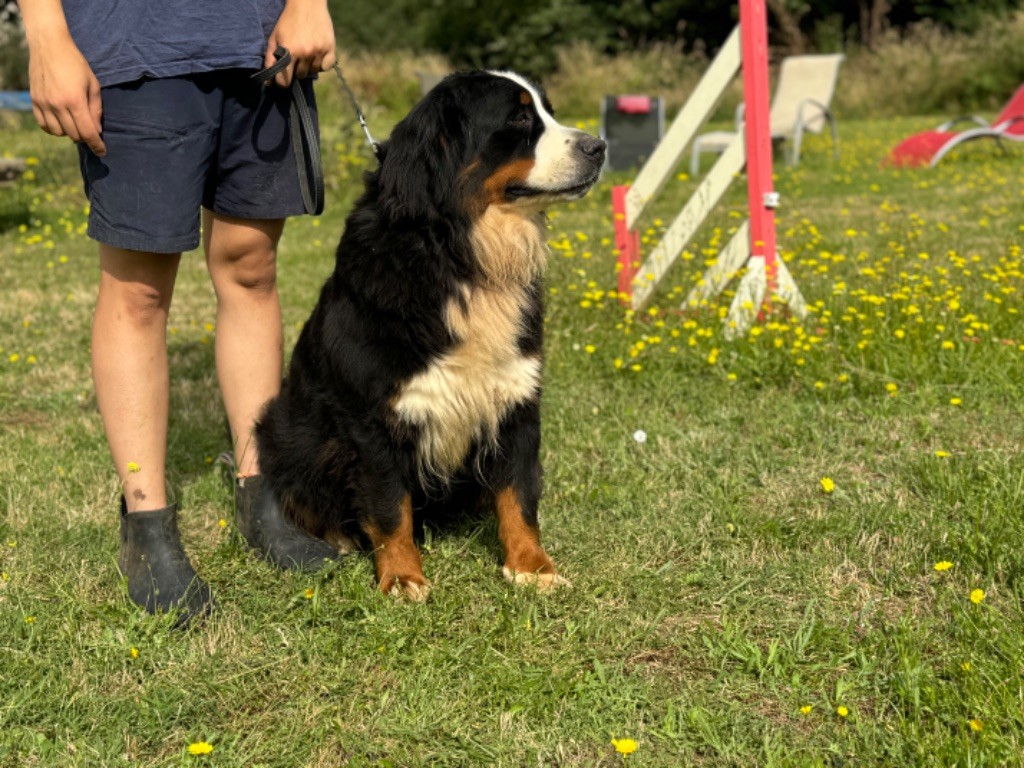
<point x="481" y="140"/>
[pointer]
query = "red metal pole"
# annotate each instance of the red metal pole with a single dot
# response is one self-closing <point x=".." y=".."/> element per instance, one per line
<point x="760" y="189"/>
<point x="626" y="241"/>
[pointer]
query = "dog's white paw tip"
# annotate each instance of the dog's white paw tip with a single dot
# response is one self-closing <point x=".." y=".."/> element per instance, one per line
<point x="414" y="593"/>
<point x="543" y="582"/>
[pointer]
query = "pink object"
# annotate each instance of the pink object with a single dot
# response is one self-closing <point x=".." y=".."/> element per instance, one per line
<point x="634" y="105"/>
<point x="626" y="241"/>
<point x="754" y="31"/>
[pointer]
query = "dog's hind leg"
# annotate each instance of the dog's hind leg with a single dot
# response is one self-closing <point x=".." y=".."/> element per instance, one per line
<point x="397" y="561"/>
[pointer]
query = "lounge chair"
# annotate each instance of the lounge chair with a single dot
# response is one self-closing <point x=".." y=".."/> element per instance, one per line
<point x="801" y="105"/>
<point x="929" y="147"/>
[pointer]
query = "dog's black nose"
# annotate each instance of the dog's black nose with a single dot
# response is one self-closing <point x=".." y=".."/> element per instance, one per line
<point x="591" y="146"/>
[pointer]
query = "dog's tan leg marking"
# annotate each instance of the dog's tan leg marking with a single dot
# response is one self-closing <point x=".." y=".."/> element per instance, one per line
<point x="526" y="562"/>
<point x="398" y="564"/>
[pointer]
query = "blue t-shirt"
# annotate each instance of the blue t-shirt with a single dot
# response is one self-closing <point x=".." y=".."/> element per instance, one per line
<point x="124" y="40"/>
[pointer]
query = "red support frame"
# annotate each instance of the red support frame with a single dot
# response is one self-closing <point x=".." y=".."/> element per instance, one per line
<point x="760" y="187"/>
<point x="627" y="242"/>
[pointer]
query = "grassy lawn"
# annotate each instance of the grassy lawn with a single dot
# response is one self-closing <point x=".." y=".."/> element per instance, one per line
<point x="726" y="609"/>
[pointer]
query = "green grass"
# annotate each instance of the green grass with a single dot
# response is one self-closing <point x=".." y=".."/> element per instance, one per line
<point x="717" y="589"/>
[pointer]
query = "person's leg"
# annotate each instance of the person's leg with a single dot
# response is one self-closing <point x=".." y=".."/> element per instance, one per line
<point x="130" y="373"/>
<point x="241" y="256"/>
<point x="129" y="364"/>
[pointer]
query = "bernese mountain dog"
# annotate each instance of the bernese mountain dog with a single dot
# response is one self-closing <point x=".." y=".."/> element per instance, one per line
<point x="417" y="379"/>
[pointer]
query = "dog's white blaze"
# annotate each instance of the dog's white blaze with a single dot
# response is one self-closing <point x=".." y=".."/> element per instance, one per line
<point x="463" y="396"/>
<point x="556" y="161"/>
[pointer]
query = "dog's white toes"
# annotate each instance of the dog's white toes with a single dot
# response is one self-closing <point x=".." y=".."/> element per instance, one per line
<point x="543" y="582"/>
<point x="414" y="593"/>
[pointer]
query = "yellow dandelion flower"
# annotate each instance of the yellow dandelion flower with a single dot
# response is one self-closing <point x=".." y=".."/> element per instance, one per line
<point x="892" y="389"/>
<point x="133" y="652"/>
<point x="842" y="711"/>
<point x="806" y="709"/>
<point x="590" y="349"/>
<point x="943" y="565"/>
<point x="624" y="746"/>
<point x="947" y="345"/>
<point x="222" y="523"/>
<point x="977" y="595"/>
<point x="942" y="454"/>
<point x="309" y="593"/>
<point x="966" y="666"/>
<point x="200" y="748"/>
<point x="828" y="484"/>
<point x="133" y="467"/>
<point x="976" y="724"/>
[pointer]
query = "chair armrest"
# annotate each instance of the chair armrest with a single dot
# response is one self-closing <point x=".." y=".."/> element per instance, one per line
<point x="817" y="105"/>
<point x="1007" y="124"/>
<point x="962" y="119"/>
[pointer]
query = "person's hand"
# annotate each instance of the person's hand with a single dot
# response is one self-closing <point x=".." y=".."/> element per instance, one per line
<point x="305" y="29"/>
<point x="65" y="92"/>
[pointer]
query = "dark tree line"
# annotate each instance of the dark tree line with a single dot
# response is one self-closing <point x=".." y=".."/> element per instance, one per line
<point x="524" y="34"/>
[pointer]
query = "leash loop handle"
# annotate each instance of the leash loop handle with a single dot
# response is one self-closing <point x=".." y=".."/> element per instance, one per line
<point x="305" y="144"/>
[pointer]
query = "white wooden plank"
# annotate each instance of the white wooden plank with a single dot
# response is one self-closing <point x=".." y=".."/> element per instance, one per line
<point x="689" y="219"/>
<point x="787" y="290"/>
<point x="728" y="263"/>
<point x="691" y="117"/>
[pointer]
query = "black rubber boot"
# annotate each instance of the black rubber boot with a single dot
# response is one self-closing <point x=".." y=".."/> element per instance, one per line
<point x="160" y="576"/>
<point x="271" y="534"/>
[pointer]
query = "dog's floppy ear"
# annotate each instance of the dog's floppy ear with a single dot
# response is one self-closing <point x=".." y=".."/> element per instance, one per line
<point x="420" y="161"/>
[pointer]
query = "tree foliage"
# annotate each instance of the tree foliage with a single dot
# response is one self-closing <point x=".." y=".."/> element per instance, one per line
<point x="524" y="35"/>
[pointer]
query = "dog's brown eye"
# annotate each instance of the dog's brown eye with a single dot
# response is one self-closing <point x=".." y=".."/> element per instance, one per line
<point x="522" y="120"/>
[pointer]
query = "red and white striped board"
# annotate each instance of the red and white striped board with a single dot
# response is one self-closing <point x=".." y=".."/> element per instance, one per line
<point x="754" y="244"/>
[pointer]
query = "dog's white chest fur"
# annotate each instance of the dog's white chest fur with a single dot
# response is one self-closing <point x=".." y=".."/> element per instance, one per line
<point x="463" y="396"/>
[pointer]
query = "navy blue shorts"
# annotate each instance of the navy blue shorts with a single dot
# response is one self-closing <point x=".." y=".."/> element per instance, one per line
<point x="219" y="140"/>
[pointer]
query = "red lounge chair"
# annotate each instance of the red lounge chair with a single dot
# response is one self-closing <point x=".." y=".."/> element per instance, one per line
<point x="929" y="147"/>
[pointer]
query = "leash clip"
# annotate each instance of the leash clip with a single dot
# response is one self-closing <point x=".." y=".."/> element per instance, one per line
<point x="375" y="146"/>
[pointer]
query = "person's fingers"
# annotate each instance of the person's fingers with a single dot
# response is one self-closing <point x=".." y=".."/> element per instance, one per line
<point x="68" y="122"/>
<point x="284" y="77"/>
<point x="302" y="68"/>
<point x="317" y="65"/>
<point x="268" y="57"/>
<point x="329" y="60"/>
<point x="37" y="113"/>
<point x="88" y="133"/>
<point x="90" y="126"/>
<point x="53" y="126"/>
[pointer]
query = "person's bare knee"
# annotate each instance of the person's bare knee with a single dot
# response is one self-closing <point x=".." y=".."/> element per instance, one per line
<point x="137" y="287"/>
<point x="242" y="254"/>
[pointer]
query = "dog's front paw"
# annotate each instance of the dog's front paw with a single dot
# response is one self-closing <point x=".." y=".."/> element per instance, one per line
<point x="415" y="589"/>
<point x="544" y="582"/>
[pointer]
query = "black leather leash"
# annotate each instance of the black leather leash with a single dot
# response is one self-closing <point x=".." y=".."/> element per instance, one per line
<point x="304" y="140"/>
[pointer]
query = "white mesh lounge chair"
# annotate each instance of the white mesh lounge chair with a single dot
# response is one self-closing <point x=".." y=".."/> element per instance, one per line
<point x="801" y="105"/>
